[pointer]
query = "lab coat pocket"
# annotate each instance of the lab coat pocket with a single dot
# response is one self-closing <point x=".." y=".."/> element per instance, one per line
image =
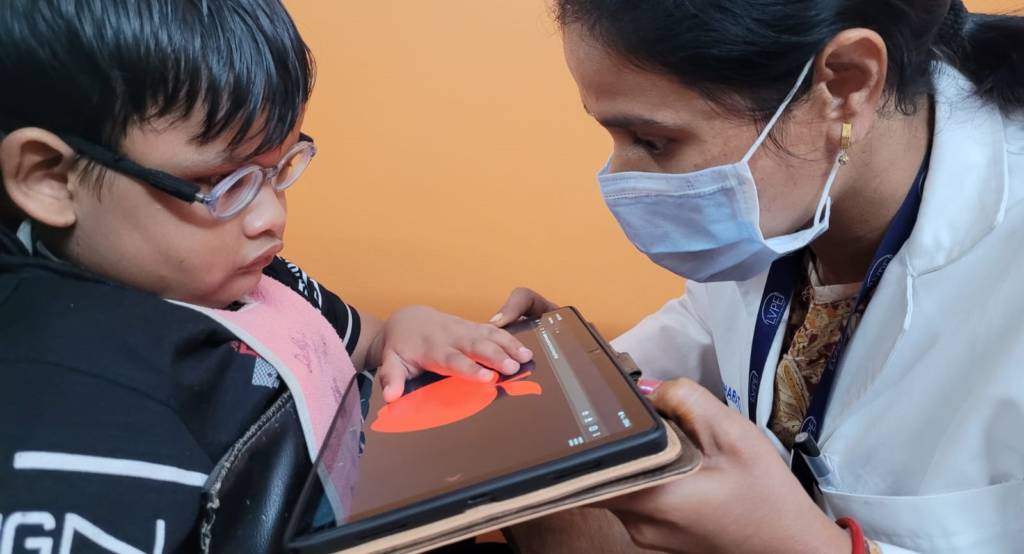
<point x="988" y="519"/>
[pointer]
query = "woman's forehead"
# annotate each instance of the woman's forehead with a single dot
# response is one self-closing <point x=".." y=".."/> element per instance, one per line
<point x="614" y="90"/>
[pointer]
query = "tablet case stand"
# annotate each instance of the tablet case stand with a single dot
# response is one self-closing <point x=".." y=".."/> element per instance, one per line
<point x="679" y="458"/>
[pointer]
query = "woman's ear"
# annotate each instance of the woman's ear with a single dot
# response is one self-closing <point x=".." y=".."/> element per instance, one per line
<point x="850" y="72"/>
<point x="38" y="169"/>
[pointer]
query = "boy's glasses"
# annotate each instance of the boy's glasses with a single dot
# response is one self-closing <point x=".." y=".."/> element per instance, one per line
<point x="236" y="191"/>
<point x="229" y="196"/>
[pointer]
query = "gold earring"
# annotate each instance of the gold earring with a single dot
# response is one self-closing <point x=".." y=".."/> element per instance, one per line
<point x="844" y="153"/>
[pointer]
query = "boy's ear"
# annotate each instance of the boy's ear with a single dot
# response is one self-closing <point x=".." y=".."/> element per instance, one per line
<point x="38" y="172"/>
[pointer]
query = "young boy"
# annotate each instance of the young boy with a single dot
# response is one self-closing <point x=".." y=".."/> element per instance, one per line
<point x="145" y="146"/>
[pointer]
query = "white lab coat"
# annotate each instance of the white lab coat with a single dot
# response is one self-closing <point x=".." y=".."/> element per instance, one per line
<point x="925" y="429"/>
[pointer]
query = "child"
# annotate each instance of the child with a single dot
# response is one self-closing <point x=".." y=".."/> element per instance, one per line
<point x="145" y="146"/>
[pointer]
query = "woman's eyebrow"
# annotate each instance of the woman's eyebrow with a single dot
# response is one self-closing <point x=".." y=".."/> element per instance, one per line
<point x="629" y="121"/>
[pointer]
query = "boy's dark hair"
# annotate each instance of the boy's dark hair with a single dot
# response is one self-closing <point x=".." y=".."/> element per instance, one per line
<point x="93" y="68"/>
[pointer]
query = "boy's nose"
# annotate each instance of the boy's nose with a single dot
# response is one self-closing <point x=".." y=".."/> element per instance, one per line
<point x="266" y="214"/>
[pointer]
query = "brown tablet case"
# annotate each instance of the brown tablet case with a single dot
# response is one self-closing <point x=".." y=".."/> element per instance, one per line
<point x="679" y="458"/>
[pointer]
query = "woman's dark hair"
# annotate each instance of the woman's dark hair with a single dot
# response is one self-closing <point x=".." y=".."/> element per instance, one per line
<point x="746" y="54"/>
<point x="92" y="68"/>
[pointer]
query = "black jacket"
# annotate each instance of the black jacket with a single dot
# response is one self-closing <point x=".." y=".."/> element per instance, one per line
<point x="122" y="416"/>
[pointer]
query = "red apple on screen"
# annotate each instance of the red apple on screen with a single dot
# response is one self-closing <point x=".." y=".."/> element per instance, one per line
<point x="447" y="401"/>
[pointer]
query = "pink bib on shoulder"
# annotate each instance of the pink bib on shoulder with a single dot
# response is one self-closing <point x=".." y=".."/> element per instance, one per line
<point x="295" y="338"/>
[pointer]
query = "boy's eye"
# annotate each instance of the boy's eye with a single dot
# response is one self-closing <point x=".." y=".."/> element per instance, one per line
<point x="211" y="181"/>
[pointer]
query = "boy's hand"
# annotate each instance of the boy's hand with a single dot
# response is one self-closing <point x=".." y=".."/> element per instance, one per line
<point x="418" y="338"/>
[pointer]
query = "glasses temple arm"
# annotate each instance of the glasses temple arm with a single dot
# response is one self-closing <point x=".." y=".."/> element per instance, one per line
<point x="184" y="190"/>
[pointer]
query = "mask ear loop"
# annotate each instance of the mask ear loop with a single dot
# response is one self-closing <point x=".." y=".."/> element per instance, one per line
<point x="778" y="113"/>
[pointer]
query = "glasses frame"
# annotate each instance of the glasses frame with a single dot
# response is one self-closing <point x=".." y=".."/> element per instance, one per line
<point x="187" y="190"/>
<point x="304" y="148"/>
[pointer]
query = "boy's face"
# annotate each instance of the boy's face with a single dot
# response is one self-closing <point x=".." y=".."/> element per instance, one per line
<point x="135" y="234"/>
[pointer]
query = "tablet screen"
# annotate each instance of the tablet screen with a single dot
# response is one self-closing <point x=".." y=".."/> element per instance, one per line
<point x="447" y="433"/>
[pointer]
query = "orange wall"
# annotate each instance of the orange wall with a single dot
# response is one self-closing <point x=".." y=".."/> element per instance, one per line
<point x="456" y="163"/>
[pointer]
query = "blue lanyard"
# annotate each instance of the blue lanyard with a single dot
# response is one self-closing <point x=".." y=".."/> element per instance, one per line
<point x="783" y="278"/>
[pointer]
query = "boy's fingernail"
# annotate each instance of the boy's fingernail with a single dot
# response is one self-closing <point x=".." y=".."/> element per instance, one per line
<point x="648" y="386"/>
<point x="510" y="366"/>
<point x="526" y="352"/>
<point x="497" y="317"/>
<point x="486" y="375"/>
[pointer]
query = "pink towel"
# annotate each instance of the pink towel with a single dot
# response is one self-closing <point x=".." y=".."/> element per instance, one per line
<point x="303" y="347"/>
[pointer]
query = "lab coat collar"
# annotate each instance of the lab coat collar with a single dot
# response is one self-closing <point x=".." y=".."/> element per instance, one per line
<point x="965" y="194"/>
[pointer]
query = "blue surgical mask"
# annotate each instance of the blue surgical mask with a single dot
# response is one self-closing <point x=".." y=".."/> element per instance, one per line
<point x="705" y="225"/>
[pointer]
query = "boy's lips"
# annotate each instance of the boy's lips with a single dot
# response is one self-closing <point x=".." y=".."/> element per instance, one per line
<point x="263" y="259"/>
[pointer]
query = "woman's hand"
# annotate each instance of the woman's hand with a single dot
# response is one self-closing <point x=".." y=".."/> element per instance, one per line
<point x="522" y="302"/>
<point x="743" y="498"/>
<point x="419" y="338"/>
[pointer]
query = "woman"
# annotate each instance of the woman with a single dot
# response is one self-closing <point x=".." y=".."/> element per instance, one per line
<point x="879" y="144"/>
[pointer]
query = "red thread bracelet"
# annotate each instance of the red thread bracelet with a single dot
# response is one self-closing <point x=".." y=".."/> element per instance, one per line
<point x="856" y="534"/>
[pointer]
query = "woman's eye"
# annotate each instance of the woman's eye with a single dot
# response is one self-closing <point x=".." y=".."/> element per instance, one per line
<point x="651" y="146"/>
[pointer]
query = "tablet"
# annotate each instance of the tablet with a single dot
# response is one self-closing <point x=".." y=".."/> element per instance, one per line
<point x="451" y="444"/>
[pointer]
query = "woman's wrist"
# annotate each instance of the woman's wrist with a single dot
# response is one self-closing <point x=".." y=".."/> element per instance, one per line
<point x="856" y="534"/>
<point x="861" y="544"/>
<point x="820" y="536"/>
<point x="840" y="541"/>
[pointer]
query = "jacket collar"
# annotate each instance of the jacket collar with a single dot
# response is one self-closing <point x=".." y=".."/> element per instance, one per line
<point x="16" y="258"/>
<point x="965" y="194"/>
<point x="10" y="244"/>
<point x="26" y="235"/>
